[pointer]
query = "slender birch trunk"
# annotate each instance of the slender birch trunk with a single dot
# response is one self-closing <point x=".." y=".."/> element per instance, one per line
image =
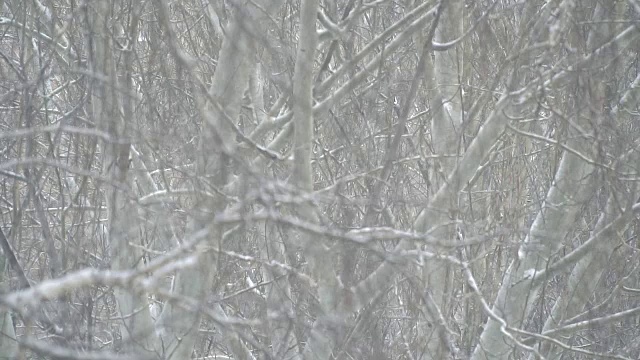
<point x="136" y="325"/>
<point x="445" y="73"/>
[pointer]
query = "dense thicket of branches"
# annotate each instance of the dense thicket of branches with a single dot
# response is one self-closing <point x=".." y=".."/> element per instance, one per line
<point x="318" y="179"/>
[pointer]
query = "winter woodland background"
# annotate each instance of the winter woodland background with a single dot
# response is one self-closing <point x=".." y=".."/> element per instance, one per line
<point x="318" y="179"/>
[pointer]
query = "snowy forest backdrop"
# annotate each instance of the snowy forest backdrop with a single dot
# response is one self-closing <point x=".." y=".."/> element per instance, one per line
<point x="319" y="179"/>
